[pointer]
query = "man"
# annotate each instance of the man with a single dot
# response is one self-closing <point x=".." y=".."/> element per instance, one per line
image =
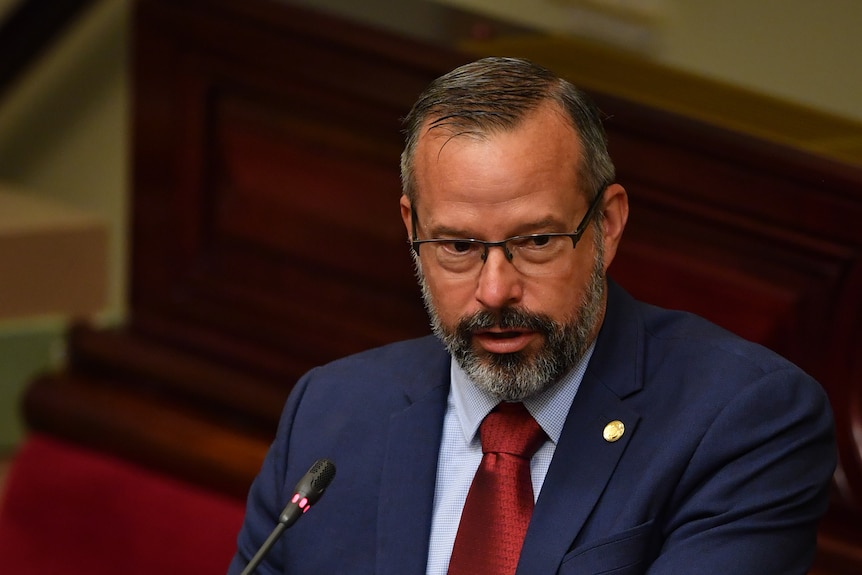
<point x="665" y="444"/>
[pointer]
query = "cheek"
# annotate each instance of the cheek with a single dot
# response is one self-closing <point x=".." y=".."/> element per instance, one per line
<point x="452" y="300"/>
<point x="558" y="298"/>
<point x="555" y="301"/>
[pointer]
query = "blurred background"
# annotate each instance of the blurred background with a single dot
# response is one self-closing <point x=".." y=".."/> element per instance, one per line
<point x="65" y="130"/>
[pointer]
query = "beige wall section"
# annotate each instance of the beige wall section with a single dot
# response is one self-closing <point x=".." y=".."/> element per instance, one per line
<point x="806" y="52"/>
<point x="64" y="130"/>
<point x="799" y="50"/>
<point x="64" y="139"/>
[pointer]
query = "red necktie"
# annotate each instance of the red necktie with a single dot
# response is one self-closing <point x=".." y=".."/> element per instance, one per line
<point x="500" y="501"/>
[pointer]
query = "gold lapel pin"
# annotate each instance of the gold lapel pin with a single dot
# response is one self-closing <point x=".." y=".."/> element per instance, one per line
<point x="613" y="431"/>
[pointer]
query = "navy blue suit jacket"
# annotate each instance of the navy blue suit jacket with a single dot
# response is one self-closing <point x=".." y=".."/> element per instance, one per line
<point x="724" y="466"/>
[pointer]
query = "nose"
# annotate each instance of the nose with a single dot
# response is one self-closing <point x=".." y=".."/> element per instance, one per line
<point x="499" y="284"/>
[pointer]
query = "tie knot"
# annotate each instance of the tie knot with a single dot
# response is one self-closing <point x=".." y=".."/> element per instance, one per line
<point x="510" y="428"/>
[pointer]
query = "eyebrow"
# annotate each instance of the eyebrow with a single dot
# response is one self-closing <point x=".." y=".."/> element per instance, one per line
<point x="544" y="225"/>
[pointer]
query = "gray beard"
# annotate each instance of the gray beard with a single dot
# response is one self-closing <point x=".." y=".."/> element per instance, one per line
<point x="517" y="376"/>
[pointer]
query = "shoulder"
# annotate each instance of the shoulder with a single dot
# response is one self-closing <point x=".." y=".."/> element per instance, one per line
<point x="652" y="350"/>
<point x="404" y="368"/>
<point x="683" y="338"/>
<point x="679" y="338"/>
<point x="395" y="358"/>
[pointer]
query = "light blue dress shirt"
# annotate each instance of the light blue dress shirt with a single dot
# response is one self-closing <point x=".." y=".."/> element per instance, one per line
<point x="461" y="449"/>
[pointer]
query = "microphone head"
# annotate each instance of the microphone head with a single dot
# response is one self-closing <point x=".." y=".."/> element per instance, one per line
<point x="314" y="483"/>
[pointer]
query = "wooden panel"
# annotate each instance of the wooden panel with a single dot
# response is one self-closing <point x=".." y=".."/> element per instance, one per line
<point x="296" y="162"/>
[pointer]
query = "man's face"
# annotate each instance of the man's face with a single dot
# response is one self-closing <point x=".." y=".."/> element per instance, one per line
<point x="514" y="333"/>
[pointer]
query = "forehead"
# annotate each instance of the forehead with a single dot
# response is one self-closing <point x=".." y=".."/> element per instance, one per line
<point x="535" y="160"/>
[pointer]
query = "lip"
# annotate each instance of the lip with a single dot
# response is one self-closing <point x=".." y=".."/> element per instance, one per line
<point x="503" y="341"/>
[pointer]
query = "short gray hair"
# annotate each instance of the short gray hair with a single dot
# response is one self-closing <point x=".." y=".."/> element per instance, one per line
<point x="496" y="94"/>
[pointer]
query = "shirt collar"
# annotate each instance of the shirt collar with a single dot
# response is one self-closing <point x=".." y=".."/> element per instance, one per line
<point x="548" y="408"/>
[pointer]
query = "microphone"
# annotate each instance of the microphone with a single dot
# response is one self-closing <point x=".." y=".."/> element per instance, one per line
<point x="306" y="493"/>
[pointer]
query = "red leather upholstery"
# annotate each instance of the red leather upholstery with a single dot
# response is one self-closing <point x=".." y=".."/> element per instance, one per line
<point x="70" y="510"/>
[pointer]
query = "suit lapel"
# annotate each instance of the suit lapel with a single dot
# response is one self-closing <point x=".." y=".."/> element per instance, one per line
<point x="408" y="477"/>
<point x="584" y="459"/>
<point x="583" y="464"/>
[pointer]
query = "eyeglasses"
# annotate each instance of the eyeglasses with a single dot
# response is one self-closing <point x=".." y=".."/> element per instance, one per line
<point x="535" y="252"/>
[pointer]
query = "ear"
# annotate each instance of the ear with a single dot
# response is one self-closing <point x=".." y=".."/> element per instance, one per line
<point x="616" y="214"/>
<point x="407" y="215"/>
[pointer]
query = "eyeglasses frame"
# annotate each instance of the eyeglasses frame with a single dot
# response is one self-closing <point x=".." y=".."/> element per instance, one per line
<point x="575" y="235"/>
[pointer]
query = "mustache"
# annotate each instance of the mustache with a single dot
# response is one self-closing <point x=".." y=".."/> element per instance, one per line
<point x="507" y="318"/>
